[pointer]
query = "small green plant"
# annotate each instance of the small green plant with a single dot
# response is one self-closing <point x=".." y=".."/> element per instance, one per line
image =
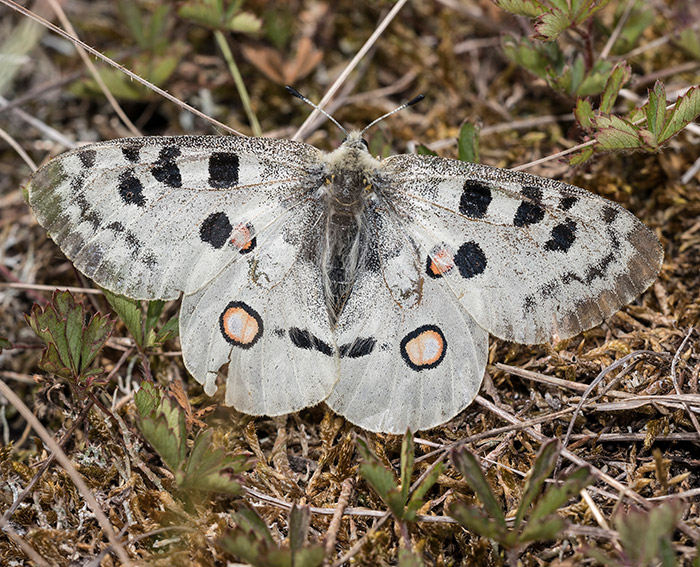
<point x="646" y="128"/>
<point x="142" y="326"/>
<point x="203" y="467"/>
<point x="646" y="538"/>
<point x="402" y="504"/>
<point x="538" y="504"/>
<point x="252" y="542"/>
<point x="72" y="339"/>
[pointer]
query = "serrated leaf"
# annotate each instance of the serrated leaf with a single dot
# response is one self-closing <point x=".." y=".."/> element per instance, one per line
<point x="71" y="345"/>
<point x="686" y="110"/>
<point x="147" y="398"/>
<point x="615" y="133"/>
<point x="163" y="426"/>
<point x="249" y="521"/>
<point x="468" y="143"/>
<point x="167" y="331"/>
<point x="564" y="14"/>
<point x="244" y="22"/>
<point x="544" y="464"/>
<point x="581" y="157"/>
<point x="477" y="521"/>
<point x="130" y="313"/>
<point x="618" y="77"/>
<point x="557" y="495"/>
<point x="541" y="59"/>
<point x="211" y="468"/>
<point x="470" y="469"/>
<point x="656" y="108"/>
<point x="528" y="8"/>
<point x="584" y="113"/>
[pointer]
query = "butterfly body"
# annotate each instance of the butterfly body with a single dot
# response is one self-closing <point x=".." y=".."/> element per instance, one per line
<point x="369" y="284"/>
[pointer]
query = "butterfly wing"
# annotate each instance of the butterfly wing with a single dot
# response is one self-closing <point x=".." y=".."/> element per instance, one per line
<point x="151" y="217"/>
<point x="410" y="355"/>
<point x="527" y="257"/>
<point x="223" y="220"/>
<point x="267" y="320"/>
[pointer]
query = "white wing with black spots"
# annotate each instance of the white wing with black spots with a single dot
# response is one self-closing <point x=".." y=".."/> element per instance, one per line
<point x="153" y="217"/>
<point x="529" y="258"/>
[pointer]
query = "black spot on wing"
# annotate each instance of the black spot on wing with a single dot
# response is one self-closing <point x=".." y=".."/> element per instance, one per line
<point x="131" y="189"/>
<point x="475" y="200"/>
<point x="567" y="203"/>
<point x="87" y="158"/>
<point x="302" y="338"/>
<point x="166" y="169"/>
<point x="470" y="260"/>
<point x="223" y="170"/>
<point x="131" y="153"/>
<point x="527" y="214"/>
<point x="216" y="229"/>
<point x="530" y="211"/>
<point x="359" y="348"/>
<point x="563" y="237"/>
<point x="609" y="214"/>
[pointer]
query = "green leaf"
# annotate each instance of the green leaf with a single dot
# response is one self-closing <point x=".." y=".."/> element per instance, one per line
<point x="541" y="59"/>
<point x="408" y="558"/>
<point x="299" y="520"/>
<point x="686" y="110"/>
<point x="477" y="521"/>
<point x="642" y="533"/>
<point x="584" y="113"/>
<point x="407" y="458"/>
<point x="251" y="541"/>
<point x="564" y="14"/>
<point x="211" y="469"/>
<point x="162" y="424"/>
<point x="557" y="495"/>
<point x="547" y="529"/>
<point x="416" y="500"/>
<point x="615" y="133"/>
<point x="129" y="311"/>
<point x="656" y="108"/>
<point x="618" y="77"/>
<point x="5" y="343"/>
<point x="469" y="468"/>
<point x="71" y="344"/>
<point x="244" y="22"/>
<point x="582" y="156"/>
<point x="468" y="143"/>
<point x="544" y="464"/>
<point x="528" y="8"/>
<point x="381" y="480"/>
<point x="422" y="150"/>
<point x="689" y="41"/>
<point x="167" y="331"/>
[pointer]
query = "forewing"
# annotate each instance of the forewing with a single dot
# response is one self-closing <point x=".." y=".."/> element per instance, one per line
<point x="410" y="355"/>
<point x="266" y="319"/>
<point x="528" y="257"/>
<point x="151" y="217"/>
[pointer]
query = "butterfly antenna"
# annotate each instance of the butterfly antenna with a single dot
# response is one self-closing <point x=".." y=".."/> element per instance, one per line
<point x="300" y="96"/>
<point x="405" y="105"/>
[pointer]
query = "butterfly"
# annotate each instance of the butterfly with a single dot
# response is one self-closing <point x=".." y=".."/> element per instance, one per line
<point x="370" y="284"/>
